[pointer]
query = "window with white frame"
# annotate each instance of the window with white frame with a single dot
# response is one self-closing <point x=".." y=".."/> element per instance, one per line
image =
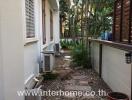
<point x="30" y="19"/>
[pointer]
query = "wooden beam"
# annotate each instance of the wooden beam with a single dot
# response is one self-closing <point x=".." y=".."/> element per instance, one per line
<point x="114" y="19"/>
<point x="121" y="20"/>
<point x="130" y="18"/>
<point x="130" y="25"/>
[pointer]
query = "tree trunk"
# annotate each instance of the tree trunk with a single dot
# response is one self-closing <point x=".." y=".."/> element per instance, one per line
<point x="61" y="27"/>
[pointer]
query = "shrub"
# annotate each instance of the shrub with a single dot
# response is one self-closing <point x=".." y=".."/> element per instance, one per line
<point x="68" y="44"/>
<point x="64" y="44"/>
<point x="81" y="56"/>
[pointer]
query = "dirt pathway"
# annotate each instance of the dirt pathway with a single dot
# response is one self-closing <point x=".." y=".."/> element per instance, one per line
<point x="85" y="83"/>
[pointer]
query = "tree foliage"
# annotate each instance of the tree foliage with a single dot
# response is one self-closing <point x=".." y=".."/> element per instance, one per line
<point x="86" y="18"/>
<point x="64" y="9"/>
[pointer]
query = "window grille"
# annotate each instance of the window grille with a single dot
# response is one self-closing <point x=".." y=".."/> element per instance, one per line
<point x="30" y="19"/>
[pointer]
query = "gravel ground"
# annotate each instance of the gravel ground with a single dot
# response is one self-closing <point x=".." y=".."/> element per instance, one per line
<point x="75" y="80"/>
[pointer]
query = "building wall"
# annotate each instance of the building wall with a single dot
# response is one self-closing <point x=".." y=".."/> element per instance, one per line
<point x="1" y="73"/>
<point x="115" y="72"/>
<point x="19" y="56"/>
<point x="56" y="25"/>
<point x="47" y="19"/>
<point x="11" y="48"/>
<point x="32" y="47"/>
<point x="95" y="56"/>
<point x="56" y="33"/>
<point x="31" y="63"/>
<point x="1" y="82"/>
<point x="32" y="50"/>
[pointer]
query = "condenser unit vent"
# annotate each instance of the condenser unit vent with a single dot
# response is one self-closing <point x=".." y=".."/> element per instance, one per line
<point x="48" y="62"/>
<point x="57" y="47"/>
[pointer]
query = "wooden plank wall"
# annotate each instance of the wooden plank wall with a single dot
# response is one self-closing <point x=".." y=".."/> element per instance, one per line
<point x="122" y="28"/>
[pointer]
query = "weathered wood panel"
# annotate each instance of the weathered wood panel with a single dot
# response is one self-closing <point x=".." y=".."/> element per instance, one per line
<point x="123" y="21"/>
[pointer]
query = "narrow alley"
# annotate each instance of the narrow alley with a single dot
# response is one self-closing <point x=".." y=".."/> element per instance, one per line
<point x="75" y="79"/>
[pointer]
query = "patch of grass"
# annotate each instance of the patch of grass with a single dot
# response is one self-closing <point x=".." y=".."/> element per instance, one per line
<point x="50" y="76"/>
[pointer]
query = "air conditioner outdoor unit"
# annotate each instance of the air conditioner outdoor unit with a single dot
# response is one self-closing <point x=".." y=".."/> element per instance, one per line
<point x="57" y="49"/>
<point x="48" y="62"/>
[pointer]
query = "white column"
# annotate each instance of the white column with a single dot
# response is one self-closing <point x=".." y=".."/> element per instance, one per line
<point x="56" y="26"/>
<point x="12" y="49"/>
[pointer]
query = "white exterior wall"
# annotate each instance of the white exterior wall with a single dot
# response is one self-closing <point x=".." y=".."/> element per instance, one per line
<point x="56" y="25"/>
<point x="115" y="72"/>
<point x="95" y="56"/>
<point x="11" y="49"/>
<point x="19" y="56"/>
<point x="31" y="63"/>
<point x="32" y="50"/>
<point x="56" y="32"/>
<point x="1" y="73"/>
<point x="47" y="19"/>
